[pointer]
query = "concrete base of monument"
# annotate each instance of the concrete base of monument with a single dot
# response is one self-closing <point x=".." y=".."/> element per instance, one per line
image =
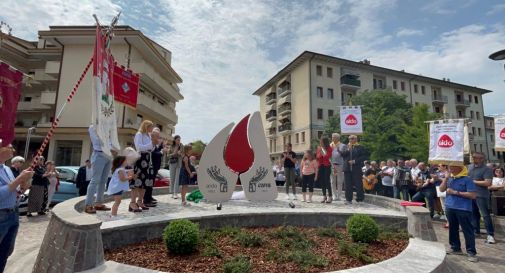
<point x="83" y="237"/>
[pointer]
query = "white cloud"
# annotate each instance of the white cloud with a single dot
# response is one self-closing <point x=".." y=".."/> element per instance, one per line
<point x="498" y="8"/>
<point x="446" y="7"/>
<point x="405" y="32"/>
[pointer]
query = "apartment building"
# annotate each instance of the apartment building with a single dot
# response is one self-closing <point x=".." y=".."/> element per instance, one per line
<point x="492" y="154"/>
<point x="55" y="63"/>
<point x="296" y="103"/>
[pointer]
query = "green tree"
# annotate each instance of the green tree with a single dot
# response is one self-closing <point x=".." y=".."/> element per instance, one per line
<point x="415" y="138"/>
<point x="197" y="148"/>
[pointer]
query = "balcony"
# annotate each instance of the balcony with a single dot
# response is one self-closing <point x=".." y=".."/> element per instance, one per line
<point x="285" y="108"/>
<point x="152" y="108"/>
<point x="271" y="115"/>
<point x="284" y="91"/>
<point x="439" y="99"/>
<point x="48" y="97"/>
<point x="462" y="103"/>
<point x="32" y="106"/>
<point x="286" y="99"/>
<point x="285" y="128"/>
<point x="271" y="131"/>
<point x="271" y="98"/>
<point x="350" y="81"/>
<point x="52" y="68"/>
<point x="41" y="76"/>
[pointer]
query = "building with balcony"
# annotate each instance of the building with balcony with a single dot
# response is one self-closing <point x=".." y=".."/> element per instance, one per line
<point x="55" y="63"/>
<point x="297" y="101"/>
<point x="492" y="155"/>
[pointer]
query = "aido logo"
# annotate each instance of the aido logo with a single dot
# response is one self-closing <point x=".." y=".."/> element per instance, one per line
<point x="502" y="133"/>
<point x="351" y="120"/>
<point x="445" y="141"/>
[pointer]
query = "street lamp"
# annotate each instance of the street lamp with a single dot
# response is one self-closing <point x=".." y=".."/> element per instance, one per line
<point x="28" y="136"/>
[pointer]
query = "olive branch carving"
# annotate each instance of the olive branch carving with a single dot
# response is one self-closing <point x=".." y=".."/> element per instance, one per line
<point x="215" y="173"/>
<point x="261" y="172"/>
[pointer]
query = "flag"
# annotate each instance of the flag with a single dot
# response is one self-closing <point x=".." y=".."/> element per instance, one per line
<point x="104" y="112"/>
<point x="447" y="142"/>
<point x="10" y="91"/>
<point x="351" y="122"/>
<point x="499" y="132"/>
<point x="126" y="86"/>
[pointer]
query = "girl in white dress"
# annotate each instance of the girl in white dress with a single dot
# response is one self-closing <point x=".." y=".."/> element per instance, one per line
<point x="119" y="181"/>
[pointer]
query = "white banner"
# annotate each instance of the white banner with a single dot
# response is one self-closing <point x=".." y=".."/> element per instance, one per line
<point x="499" y="132"/>
<point x="447" y="142"/>
<point x="350" y="120"/>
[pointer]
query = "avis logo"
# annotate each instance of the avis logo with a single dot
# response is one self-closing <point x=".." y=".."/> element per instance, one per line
<point x="351" y="120"/>
<point x="502" y="133"/>
<point x="445" y="141"/>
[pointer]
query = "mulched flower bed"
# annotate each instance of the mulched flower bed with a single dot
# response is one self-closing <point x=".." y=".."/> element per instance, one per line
<point x="280" y="249"/>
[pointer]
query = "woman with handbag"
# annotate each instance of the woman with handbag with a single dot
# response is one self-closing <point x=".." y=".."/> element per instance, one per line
<point x="174" y="154"/>
<point x="143" y="169"/>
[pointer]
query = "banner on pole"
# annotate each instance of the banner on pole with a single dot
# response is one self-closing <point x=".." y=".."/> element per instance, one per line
<point x="104" y="111"/>
<point x="10" y="91"/>
<point x="350" y="120"/>
<point x="126" y="86"/>
<point x="447" y="142"/>
<point x="499" y="130"/>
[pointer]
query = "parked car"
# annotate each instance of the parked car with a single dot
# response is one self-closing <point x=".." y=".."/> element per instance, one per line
<point x="66" y="189"/>
<point x="162" y="179"/>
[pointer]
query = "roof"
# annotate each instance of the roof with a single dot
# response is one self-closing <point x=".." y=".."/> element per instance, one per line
<point x="306" y="55"/>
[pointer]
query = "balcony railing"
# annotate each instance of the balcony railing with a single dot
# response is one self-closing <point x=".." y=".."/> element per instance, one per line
<point x="285" y="108"/>
<point x="284" y="91"/>
<point x="439" y="99"/>
<point x="271" y="115"/>
<point x="285" y="127"/>
<point x="271" y="98"/>
<point x="350" y="82"/>
<point x="271" y="131"/>
<point x="462" y="102"/>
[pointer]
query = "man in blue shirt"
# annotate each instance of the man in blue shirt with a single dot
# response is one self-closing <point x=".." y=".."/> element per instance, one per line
<point x="9" y="218"/>
<point x="460" y="191"/>
<point x="482" y="176"/>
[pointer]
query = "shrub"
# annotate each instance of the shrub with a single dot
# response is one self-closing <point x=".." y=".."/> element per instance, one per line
<point x="249" y="240"/>
<point x="208" y="241"/>
<point x="288" y="232"/>
<point x="306" y="259"/>
<point x="181" y="237"/>
<point x="362" y="228"/>
<point x="354" y="250"/>
<point x="238" y="264"/>
<point x="230" y="231"/>
<point x="329" y="232"/>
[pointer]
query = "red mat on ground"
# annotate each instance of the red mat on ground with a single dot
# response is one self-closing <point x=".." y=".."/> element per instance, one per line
<point x="408" y="203"/>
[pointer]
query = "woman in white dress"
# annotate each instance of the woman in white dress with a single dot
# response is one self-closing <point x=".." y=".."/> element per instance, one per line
<point x="53" y="177"/>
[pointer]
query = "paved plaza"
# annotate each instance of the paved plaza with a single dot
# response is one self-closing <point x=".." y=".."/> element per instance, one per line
<point x="492" y="257"/>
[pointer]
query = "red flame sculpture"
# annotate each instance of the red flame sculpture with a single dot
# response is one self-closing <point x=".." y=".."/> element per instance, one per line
<point x="238" y="154"/>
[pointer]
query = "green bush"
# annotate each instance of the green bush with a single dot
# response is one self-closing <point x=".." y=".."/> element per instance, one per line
<point x="362" y="228"/>
<point x="306" y="259"/>
<point x="354" y="250"/>
<point x="249" y="239"/>
<point x="230" y="231"/>
<point x="238" y="264"/>
<point x="329" y="232"/>
<point x="288" y="232"/>
<point x="208" y="241"/>
<point x="181" y="237"/>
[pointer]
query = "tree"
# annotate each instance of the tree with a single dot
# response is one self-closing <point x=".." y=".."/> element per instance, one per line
<point x="415" y="138"/>
<point x="197" y="148"/>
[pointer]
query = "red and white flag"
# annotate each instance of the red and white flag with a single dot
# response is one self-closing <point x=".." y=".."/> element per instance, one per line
<point x="351" y="122"/>
<point x="10" y="91"/>
<point x="104" y="120"/>
<point x="447" y="142"/>
<point x="126" y="86"/>
<point x="499" y="132"/>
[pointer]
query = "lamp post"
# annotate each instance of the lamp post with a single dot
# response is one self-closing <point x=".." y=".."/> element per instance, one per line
<point x="28" y="136"/>
<point x="499" y="56"/>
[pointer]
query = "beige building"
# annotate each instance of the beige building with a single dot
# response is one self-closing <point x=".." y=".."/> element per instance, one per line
<point x="296" y="103"/>
<point x="493" y="155"/>
<point x="55" y="63"/>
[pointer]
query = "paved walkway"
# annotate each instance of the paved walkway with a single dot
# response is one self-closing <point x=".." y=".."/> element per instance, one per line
<point x="491" y="257"/>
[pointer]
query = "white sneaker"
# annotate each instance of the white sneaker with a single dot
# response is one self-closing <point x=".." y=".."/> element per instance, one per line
<point x="490" y="240"/>
<point x="443" y="218"/>
<point x="335" y="198"/>
<point x="288" y="197"/>
<point x="294" y="197"/>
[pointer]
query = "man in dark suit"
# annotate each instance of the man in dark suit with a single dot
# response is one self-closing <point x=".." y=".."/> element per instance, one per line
<point x="354" y="159"/>
<point x="83" y="177"/>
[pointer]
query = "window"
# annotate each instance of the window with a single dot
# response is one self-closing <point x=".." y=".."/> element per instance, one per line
<point x="275" y="145"/>
<point x="28" y="99"/>
<point x="494" y="152"/>
<point x="378" y="84"/>
<point x="284" y="141"/>
<point x="289" y="139"/>
<point x="330" y="113"/>
<point x="394" y="84"/>
<point x="415" y="89"/>
<point x="68" y="152"/>
<point x="470" y="98"/>
<point x="319" y="134"/>
<point x="476" y="99"/>
<point x="319" y="113"/>
<point x="319" y="92"/>
<point x="477" y="114"/>
<point x="330" y="93"/>
<point x="329" y="72"/>
<point x="423" y="90"/>
<point x="458" y="97"/>
<point x="303" y="137"/>
<point x="471" y="114"/>
<point x="475" y="147"/>
<point x="437" y="109"/>
<point x="297" y="138"/>
<point x="460" y="114"/>
<point x="491" y="137"/>
<point x="481" y="148"/>
<point x="402" y="86"/>
<point x="480" y="133"/>
<point x="271" y="147"/>
<point x="319" y="70"/>
<point x="473" y="130"/>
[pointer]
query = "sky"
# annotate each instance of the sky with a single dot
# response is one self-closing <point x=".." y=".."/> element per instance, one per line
<point x="226" y="49"/>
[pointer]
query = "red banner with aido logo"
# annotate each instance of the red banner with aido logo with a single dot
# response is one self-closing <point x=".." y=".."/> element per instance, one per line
<point x="10" y="91"/>
<point x="126" y="86"/>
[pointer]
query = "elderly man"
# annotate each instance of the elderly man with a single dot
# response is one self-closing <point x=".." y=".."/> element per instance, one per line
<point x="354" y="159"/>
<point x="337" y="162"/>
<point x="426" y="187"/>
<point x="482" y="176"/>
<point x="460" y="191"/>
<point x="9" y="216"/>
<point x="16" y="165"/>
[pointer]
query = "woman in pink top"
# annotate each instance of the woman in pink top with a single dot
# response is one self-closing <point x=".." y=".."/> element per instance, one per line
<point x="309" y="174"/>
<point x="324" y="171"/>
